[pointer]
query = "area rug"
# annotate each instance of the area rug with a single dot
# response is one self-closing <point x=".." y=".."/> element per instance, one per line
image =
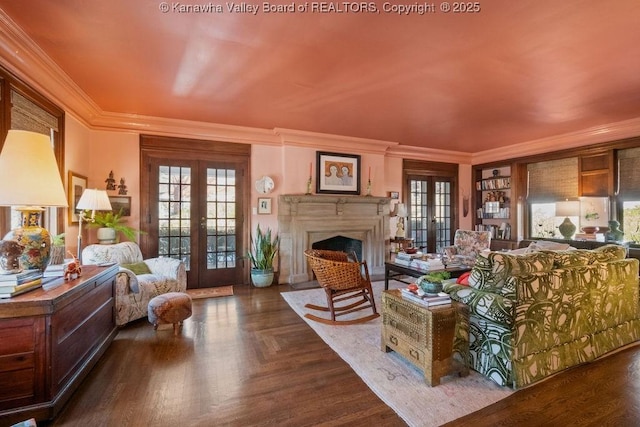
<point x="219" y="291"/>
<point x="398" y="383"/>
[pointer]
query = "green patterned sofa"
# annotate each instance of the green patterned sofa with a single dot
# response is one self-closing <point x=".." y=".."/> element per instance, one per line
<point x="537" y="314"/>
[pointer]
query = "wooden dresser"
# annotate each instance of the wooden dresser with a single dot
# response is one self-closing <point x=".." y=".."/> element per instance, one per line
<point x="49" y="340"/>
<point x="425" y="336"/>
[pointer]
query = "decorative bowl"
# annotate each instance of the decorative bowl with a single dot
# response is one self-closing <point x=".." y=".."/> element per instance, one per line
<point x="411" y="251"/>
<point x="590" y="230"/>
<point x="430" y="287"/>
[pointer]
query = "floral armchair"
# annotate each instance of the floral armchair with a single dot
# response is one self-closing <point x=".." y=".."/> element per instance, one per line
<point x="467" y="244"/>
<point x="138" y="280"/>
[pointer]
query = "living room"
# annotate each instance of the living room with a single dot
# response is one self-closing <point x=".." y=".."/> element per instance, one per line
<point x="104" y="137"/>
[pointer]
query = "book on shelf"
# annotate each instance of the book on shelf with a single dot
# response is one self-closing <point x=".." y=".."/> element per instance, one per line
<point x="12" y="291"/>
<point x="18" y="278"/>
<point x="427" y="300"/>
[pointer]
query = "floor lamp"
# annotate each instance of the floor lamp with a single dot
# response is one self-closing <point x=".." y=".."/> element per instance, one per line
<point x="30" y="180"/>
<point x="91" y="200"/>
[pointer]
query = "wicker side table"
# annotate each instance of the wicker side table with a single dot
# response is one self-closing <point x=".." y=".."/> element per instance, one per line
<point x="434" y="339"/>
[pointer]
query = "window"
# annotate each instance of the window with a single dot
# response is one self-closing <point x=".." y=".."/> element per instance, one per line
<point x="549" y="182"/>
<point x="629" y="194"/>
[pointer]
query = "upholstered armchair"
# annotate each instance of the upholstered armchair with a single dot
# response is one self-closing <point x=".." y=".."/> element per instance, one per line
<point x="138" y="280"/>
<point x="467" y="244"/>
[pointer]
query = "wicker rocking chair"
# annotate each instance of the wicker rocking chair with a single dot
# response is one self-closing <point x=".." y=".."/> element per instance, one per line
<point x="342" y="281"/>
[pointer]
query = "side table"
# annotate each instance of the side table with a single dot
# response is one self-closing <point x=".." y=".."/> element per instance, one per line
<point x="434" y="339"/>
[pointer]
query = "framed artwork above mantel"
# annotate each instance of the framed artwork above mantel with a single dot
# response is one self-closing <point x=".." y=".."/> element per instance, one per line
<point x="337" y="173"/>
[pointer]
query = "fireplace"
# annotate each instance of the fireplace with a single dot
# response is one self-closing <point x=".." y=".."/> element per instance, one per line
<point x="341" y="243"/>
<point x="306" y="221"/>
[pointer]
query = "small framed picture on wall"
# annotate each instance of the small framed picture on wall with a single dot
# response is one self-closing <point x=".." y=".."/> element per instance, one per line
<point x="264" y="205"/>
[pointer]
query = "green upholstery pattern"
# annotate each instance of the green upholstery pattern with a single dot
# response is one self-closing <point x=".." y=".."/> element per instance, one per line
<point x="537" y="314"/>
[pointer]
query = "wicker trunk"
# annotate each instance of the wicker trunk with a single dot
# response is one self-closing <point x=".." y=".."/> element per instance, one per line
<point x="426" y="336"/>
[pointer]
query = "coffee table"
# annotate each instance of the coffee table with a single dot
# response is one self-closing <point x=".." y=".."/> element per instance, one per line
<point x="395" y="271"/>
<point x="434" y="339"/>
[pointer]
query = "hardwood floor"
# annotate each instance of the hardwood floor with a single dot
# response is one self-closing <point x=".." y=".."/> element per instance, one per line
<point x="249" y="360"/>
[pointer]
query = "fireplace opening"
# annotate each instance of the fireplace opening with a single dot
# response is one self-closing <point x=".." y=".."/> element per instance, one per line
<point x="340" y="243"/>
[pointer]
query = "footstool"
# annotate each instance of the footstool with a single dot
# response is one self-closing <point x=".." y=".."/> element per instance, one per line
<point x="172" y="307"/>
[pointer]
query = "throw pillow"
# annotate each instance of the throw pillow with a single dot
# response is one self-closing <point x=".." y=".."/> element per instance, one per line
<point x="137" y="268"/>
<point x="464" y="279"/>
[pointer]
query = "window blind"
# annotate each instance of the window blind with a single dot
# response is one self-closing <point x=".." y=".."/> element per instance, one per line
<point x="629" y="173"/>
<point x="25" y="115"/>
<point x="552" y="180"/>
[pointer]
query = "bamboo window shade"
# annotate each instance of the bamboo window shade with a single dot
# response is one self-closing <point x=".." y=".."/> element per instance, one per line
<point x="26" y="115"/>
<point x="629" y="173"/>
<point x="553" y="180"/>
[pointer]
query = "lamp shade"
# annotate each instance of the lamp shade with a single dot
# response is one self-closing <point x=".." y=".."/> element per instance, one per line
<point x="29" y="174"/>
<point x="401" y="210"/>
<point x="568" y="208"/>
<point x="94" y="200"/>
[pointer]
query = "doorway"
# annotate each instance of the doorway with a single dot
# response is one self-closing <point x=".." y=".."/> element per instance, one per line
<point x="431" y="189"/>
<point x="194" y="207"/>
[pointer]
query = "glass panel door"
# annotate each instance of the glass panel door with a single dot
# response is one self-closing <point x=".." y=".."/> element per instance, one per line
<point x="196" y="219"/>
<point x="430" y="212"/>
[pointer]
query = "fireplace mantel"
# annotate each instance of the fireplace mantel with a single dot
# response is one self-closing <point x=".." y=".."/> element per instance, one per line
<point x="306" y="219"/>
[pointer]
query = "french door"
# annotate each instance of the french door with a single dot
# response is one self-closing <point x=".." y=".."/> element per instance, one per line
<point x="195" y="212"/>
<point x="431" y="211"/>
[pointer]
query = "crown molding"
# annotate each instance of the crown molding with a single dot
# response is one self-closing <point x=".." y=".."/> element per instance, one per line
<point x="300" y="138"/>
<point x="30" y="63"/>
<point x="593" y="135"/>
<point x="430" y="154"/>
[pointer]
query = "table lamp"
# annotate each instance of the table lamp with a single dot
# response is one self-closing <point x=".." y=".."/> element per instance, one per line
<point x="30" y="180"/>
<point x="91" y="200"/>
<point x="401" y="213"/>
<point x="566" y="209"/>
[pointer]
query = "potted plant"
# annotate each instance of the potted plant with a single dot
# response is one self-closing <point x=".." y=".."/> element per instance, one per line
<point x="264" y="248"/>
<point x="109" y="224"/>
<point x="432" y="283"/>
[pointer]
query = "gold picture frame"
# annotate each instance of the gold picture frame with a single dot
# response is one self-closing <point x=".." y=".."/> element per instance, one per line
<point x="76" y="184"/>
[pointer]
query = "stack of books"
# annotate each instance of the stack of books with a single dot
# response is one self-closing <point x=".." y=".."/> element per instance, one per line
<point x="19" y="283"/>
<point x="56" y="270"/>
<point x="427" y="300"/>
<point x="429" y="264"/>
<point x="406" y="259"/>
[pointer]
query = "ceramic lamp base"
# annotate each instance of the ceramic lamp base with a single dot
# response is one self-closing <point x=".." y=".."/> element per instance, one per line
<point x="567" y="229"/>
<point x="35" y="240"/>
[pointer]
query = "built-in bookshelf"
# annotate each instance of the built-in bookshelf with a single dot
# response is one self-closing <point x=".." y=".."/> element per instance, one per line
<point x="493" y="204"/>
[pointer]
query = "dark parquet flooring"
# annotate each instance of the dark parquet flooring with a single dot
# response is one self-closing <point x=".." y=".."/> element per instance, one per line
<point x="249" y="360"/>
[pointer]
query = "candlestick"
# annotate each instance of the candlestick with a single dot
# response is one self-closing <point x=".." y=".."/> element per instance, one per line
<point x="369" y="187"/>
<point x="310" y="165"/>
<point x="369" y="174"/>
<point x="308" y="186"/>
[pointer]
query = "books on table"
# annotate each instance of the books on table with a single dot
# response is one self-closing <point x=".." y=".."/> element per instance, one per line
<point x="19" y="278"/>
<point x="427" y="300"/>
<point x="9" y="291"/>
<point x="418" y="263"/>
<point x="56" y="270"/>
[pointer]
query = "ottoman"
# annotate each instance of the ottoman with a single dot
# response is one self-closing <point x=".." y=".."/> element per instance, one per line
<point x="172" y="307"/>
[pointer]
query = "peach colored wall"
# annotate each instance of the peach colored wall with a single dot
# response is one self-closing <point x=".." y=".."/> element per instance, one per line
<point x="94" y="153"/>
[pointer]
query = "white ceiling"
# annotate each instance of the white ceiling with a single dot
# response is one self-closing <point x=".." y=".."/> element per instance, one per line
<point x="513" y="72"/>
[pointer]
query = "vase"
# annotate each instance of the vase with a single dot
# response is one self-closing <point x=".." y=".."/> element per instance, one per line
<point x="261" y="278"/>
<point x="106" y="236"/>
